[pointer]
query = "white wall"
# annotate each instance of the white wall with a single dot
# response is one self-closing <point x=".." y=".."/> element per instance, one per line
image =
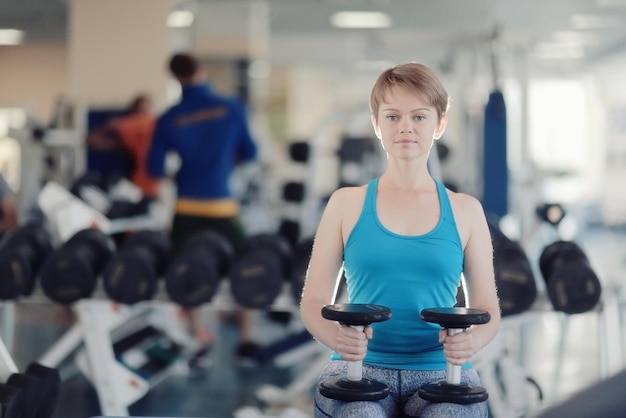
<point x="32" y="76"/>
<point x="113" y="54"/>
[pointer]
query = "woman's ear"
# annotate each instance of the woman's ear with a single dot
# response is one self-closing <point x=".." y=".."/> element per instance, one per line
<point x="441" y="127"/>
<point x="376" y="127"/>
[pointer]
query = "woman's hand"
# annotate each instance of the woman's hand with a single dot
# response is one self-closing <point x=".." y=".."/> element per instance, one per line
<point x="458" y="348"/>
<point x="351" y="343"/>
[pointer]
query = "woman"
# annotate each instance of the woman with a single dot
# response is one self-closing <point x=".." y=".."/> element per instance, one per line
<point x="404" y="241"/>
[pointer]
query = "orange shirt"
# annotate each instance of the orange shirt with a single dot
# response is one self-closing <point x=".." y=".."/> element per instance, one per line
<point x="135" y="132"/>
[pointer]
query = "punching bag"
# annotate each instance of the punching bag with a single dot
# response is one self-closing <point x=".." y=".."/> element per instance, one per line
<point x="495" y="193"/>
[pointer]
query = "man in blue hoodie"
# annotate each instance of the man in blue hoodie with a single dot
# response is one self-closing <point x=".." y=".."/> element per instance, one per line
<point x="210" y="134"/>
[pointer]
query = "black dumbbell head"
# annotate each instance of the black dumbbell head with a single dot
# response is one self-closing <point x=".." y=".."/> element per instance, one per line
<point x="49" y="380"/>
<point x="192" y="279"/>
<point x="300" y="263"/>
<point x="95" y="244"/>
<point x="28" y="385"/>
<point x="12" y="401"/>
<point x="574" y="289"/>
<point x="552" y="213"/>
<point x="212" y="242"/>
<point x="256" y="279"/>
<point x="294" y="192"/>
<point x="344" y="389"/>
<point x="290" y="229"/>
<point x="455" y="317"/>
<point x="15" y="274"/>
<point x="572" y="285"/>
<point x="462" y="393"/>
<point x="193" y="276"/>
<point x="356" y="313"/>
<point x="557" y="254"/>
<point x="299" y="151"/>
<point x="71" y="272"/>
<point x="39" y="238"/>
<point x="517" y="289"/>
<point x="131" y="276"/>
<point x="261" y="269"/>
<point x="22" y="253"/>
<point x="67" y="277"/>
<point x="275" y="245"/>
<point x="156" y="242"/>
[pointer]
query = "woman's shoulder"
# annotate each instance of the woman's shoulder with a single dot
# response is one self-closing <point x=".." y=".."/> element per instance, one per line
<point x="464" y="202"/>
<point x="348" y="196"/>
<point x="349" y="192"/>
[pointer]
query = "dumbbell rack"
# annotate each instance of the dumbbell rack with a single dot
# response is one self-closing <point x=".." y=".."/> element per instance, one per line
<point x="117" y="385"/>
<point x="7" y="365"/>
<point x="505" y="397"/>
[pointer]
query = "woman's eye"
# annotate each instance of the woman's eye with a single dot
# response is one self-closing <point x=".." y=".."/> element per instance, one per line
<point x="420" y="117"/>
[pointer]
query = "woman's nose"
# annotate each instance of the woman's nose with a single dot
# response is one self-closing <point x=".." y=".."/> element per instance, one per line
<point x="405" y="127"/>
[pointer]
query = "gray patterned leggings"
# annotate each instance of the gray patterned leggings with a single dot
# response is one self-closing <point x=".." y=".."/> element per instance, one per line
<point x="403" y="400"/>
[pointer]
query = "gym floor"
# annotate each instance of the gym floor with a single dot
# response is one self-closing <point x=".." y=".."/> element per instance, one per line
<point x="224" y="388"/>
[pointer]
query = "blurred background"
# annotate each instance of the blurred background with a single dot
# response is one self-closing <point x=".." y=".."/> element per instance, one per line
<point x="304" y="69"/>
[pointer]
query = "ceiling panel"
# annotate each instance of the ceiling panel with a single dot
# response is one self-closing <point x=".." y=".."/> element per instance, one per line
<point x="300" y="31"/>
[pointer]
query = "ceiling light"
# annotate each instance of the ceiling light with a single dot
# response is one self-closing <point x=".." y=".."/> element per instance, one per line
<point x="180" y="19"/>
<point x="558" y="51"/>
<point x="575" y="37"/>
<point x="11" y="36"/>
<point x="360" y="20"/>
<point x="609" y="3"/>
<point x="595" y="21"/>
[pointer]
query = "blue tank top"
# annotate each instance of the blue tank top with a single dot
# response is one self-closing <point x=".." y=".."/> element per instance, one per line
<point x="406" y="274"/>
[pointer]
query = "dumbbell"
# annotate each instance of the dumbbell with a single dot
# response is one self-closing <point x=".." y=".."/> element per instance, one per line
<point x="32" y="394"/>
<point x="301" y="257"/>
<point x="71" y="272"/>
<point x="12" y="401"/>
<point x="572" y="285"/>
<point x="353" y="387"/>
<point x="294" y="192"/>
<point x="132" y="274"/>
<point x="192" y="277"/>
<point x="299" y="151"/>
<point x="354" y="149"/>
<point x="452" y="389"/>
<point x="260" y="270"/>
<point x="27" y="387"/>
<point x="515" y="281"/>
<point x="47" y="388"/>
<point x="552" y="213"/>
<point x="290" y="229"/>
<point x="299" y="267"/>
<point x="22" y="253"/>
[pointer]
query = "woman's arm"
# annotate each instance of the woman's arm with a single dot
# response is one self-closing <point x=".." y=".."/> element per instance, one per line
<point x="322" y="276"/>
<point x="480" y="284"/>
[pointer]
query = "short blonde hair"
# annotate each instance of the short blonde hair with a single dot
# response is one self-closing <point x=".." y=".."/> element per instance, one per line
<point x="415" y="77"/>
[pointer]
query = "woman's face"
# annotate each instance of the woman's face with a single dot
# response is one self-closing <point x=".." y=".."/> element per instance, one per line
<point x="406" y="124"/>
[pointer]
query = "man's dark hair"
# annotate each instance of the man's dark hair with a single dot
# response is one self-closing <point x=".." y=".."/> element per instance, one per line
<point x="183" y="66"/>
